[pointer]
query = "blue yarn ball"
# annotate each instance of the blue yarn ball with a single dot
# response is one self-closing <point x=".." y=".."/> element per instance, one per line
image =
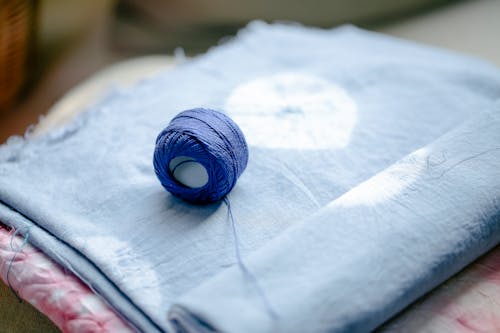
<point x="209" y="138"/>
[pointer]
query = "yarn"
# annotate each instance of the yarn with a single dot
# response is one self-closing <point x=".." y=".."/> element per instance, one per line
<point x="200" y="155"/>
<point x="212" y="151"/>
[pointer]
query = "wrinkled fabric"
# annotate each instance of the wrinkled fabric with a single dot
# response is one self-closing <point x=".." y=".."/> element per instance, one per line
<point x="322" y="111"/>
<point x="467" y="302"/>
<point x="58" y="294"/>
<point x="366" y="255"/>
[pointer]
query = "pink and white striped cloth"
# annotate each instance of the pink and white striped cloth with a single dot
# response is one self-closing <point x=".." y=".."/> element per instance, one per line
<point x="58" y="294"/>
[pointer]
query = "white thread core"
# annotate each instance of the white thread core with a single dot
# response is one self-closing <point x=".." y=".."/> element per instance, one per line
<point x="190" y="173"/>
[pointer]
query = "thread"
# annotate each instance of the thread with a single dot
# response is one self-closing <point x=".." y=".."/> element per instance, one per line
<point x="456" y="164"/>
<point x="250" y="276"/>
<point x="16" y="251"/>
<point x="199" y="139"/>
<point x="212" y="150"/>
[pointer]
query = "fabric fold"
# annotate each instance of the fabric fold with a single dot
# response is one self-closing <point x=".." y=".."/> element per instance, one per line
<point x="371" y="252"/>
<point x="322" y="111"/>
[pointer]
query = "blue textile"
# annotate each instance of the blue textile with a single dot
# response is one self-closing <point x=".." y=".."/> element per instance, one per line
<point x="323" y="111"/>
<point x="371" y="252"/>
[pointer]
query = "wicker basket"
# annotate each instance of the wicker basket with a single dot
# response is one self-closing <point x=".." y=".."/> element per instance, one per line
<point x="17" y="22"/>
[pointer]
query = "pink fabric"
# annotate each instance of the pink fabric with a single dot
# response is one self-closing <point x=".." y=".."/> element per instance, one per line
<point x="62" y="297"/>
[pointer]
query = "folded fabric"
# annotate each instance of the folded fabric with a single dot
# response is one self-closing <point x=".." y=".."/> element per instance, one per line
<point x="322" y="111"/>
<point x="467" y="302"/>
<point x="371" y="252"/>
<point x="58" y="294"/>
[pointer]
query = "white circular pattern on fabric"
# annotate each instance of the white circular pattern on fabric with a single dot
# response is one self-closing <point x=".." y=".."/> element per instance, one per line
<point x="293" y="110"/>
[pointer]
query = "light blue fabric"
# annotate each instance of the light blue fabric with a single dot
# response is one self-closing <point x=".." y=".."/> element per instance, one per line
<point x="371" y="252"/>
<point x="343" y="105"/>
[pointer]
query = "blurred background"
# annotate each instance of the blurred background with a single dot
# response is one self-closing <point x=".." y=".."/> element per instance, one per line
<point x="49" y="46"/>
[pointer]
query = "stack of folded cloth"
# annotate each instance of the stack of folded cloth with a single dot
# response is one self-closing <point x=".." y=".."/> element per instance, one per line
<point x="373" y="177"/>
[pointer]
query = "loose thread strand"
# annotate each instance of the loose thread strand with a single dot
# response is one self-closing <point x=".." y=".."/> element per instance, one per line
<point x="16" y="252"/>
<point x="453" y="166"/>
<point x="251" y="277"/>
